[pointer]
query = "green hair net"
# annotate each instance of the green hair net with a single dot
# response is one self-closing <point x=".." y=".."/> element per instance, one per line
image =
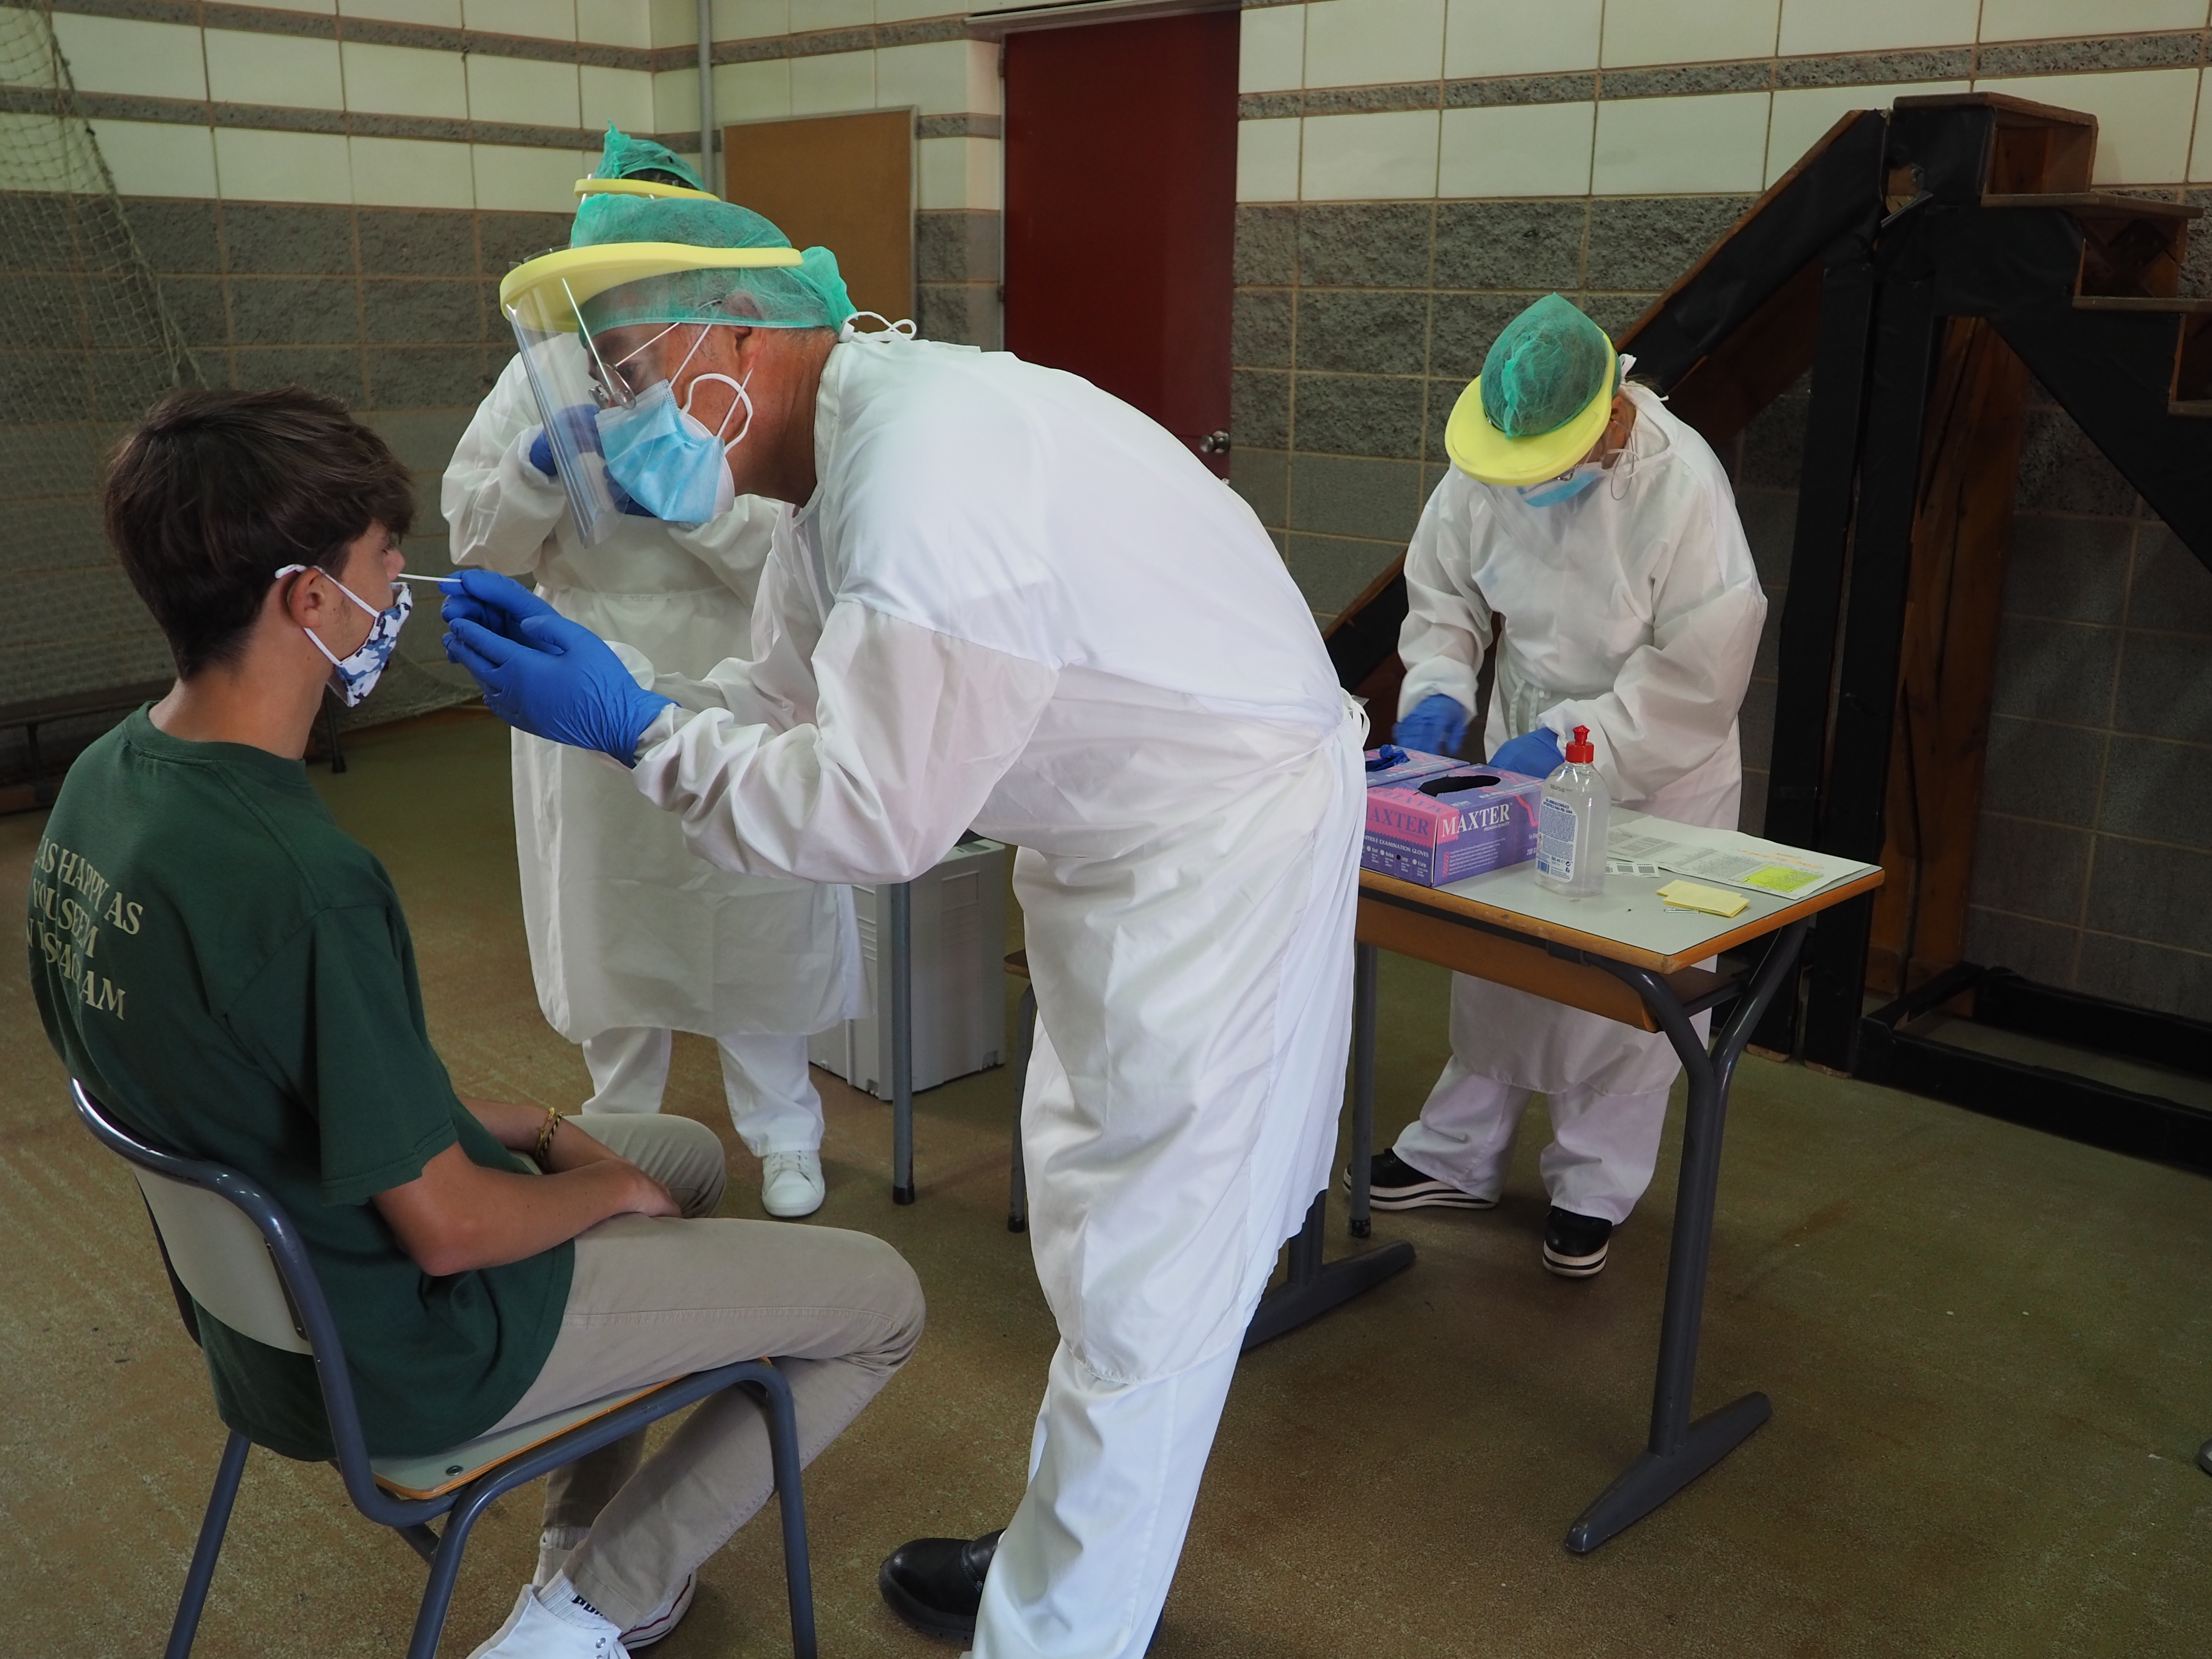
<point x="625" y="157"/>
<point x="809" y="294"/>
<point x="1544" y="368"/>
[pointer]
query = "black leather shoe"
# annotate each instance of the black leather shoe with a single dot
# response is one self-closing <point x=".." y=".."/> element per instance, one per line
<point x="936" y="1584"/>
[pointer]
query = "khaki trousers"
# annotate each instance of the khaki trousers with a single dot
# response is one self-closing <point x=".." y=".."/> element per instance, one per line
<point x="652" y="1299"/>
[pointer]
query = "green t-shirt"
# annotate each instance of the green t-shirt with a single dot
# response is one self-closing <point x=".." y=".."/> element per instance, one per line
<point x="230" y="973"/>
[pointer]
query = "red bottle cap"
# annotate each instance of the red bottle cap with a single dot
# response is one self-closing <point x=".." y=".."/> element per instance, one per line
<point x="1579" y="753"/>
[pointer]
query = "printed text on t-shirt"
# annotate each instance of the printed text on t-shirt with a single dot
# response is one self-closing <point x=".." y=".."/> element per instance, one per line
<point x="71" y="902"/>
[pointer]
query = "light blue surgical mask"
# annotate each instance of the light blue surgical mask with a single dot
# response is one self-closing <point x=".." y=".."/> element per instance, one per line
<point x="669" y="463"/>
<point x="354" y="676"/>
<point x="1557" y="492"/>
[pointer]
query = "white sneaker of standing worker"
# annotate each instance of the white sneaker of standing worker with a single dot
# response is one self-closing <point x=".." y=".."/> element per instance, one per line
<point x="631" y="937"/>
<point x="1607" y="538"/>
<point x="1007" y="600"/>
<point x="773" y="1104"/>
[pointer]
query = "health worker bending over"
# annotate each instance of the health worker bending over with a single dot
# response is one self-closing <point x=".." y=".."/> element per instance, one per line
<point x="1602" y="531"/>
<point x="630" y="937"/>
<point x="1003" y="599"/>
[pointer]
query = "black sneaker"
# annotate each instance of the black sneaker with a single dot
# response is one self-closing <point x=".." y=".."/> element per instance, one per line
<point x="1574" y="1245"/>
<point x="1395" y="1184"/>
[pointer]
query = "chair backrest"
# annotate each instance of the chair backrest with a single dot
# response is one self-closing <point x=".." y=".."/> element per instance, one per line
<point x="219" y="1230"/>
<point x="220" y="1257"/>
<point x="239" y="1256"/>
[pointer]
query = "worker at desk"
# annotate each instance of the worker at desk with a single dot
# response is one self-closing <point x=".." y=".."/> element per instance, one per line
<point x="1602" y="532"/>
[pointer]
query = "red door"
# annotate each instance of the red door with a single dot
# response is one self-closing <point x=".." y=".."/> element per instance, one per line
<point x="1121" y="211"/>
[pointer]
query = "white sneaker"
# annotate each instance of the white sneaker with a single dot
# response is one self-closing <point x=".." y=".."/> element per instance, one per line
<point x="553" y="1545"/>
<point x="534" y="1631"/>
<point x="792" y="1184"/>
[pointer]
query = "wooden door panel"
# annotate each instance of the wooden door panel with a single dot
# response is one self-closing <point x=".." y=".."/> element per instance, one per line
<point x="1120" y="210"/>
<point x="845" y="182"/>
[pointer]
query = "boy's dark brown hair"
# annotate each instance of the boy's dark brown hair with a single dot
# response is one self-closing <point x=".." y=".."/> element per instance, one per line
<point x="216" y="491"/>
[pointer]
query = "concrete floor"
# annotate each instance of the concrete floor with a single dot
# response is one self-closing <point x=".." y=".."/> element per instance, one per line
<point x="1990" y="1353"/>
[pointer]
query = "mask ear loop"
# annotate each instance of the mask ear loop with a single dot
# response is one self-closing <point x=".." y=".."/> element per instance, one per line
<point x="904" y="328"/>
<point x="743" y="397"/>
<point x="376" y="616"/>
<point x="1622" y="472"/>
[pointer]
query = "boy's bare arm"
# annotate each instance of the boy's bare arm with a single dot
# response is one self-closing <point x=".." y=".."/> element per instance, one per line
<point x="517" y="1128"/>
<point x="458" y="1215"/>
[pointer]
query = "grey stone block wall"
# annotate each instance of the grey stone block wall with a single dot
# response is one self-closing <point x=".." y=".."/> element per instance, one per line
<point x="392" y="311"/>
<point x="2094" y="865"/>
<point x="1358" y="324"/>
<point x="957" y="266"/>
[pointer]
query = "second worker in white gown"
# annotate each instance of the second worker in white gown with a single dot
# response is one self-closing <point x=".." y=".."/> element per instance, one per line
<point x="632" y="937"/>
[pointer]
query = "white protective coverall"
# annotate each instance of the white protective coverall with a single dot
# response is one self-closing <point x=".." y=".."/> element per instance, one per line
<point x="631" y="937"/>
<point x="1633" y="610"/>
<point x="1014" y="602"/>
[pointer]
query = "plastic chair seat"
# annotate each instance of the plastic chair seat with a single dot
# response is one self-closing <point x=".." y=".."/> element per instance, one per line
<point x="433" y="1474"/>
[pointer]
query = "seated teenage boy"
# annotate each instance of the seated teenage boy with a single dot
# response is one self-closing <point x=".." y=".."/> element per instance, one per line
<point x="231" y="974"/>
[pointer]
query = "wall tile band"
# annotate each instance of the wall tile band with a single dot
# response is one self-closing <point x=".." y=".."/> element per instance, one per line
<point x="431" y="37"/>
<point x="2078" y="55"/>
<point x="284" y="118"/>
<point x="2184" y="50"/>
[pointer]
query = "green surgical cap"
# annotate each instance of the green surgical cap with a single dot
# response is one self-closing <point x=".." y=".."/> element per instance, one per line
<point x="809" y="294"/>
<point x="1544" y="369"/>
<point x="625" y="157"/>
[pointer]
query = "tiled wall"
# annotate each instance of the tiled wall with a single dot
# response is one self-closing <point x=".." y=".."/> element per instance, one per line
<point x="1410" y="172"/>
<point x="1414" y="170"/>
<point x="2095" y="864"/>
<point x="330" y="191"/>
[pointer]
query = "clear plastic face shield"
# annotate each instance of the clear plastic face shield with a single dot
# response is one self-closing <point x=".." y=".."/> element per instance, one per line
<point x="612" y="338"/>
<point x="574" y="388"/>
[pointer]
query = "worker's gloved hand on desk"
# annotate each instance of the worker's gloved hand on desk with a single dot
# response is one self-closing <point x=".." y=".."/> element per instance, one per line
<point x="551" y="676"/>
<point x="1436" y="726"/>
<point x="1533" y="754"/>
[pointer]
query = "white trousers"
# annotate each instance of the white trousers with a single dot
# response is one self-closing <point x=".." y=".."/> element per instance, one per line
<point x="772" y="1102"/>
<point x="1603" y="1148"/>
<point x="1114" y="1473"/>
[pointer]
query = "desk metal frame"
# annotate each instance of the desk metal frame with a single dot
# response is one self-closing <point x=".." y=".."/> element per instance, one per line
<point x="897" y="939"/>
<point x="1678" y="1450"/>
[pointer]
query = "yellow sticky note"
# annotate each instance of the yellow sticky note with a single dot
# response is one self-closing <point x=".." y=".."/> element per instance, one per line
<point x="1688" y="895"/>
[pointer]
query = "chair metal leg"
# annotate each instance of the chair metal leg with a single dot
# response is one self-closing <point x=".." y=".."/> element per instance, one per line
<point x="202" y="1574"/>
<point x="1017" y="1185"/>
<point x="791" y="1500"/>
<point x="446" y="1566"/>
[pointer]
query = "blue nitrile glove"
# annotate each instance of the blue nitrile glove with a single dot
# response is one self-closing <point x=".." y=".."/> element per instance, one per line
<point x="581" y="421"/>
<point x="1437" y="726"/>
<point x="551" y="676"/>
<point x="1383" y="759"/>
<point x="1532" y="754"/>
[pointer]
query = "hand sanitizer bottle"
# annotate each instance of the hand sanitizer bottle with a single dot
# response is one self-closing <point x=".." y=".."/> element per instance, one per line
<point x="1571" y="820"/>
